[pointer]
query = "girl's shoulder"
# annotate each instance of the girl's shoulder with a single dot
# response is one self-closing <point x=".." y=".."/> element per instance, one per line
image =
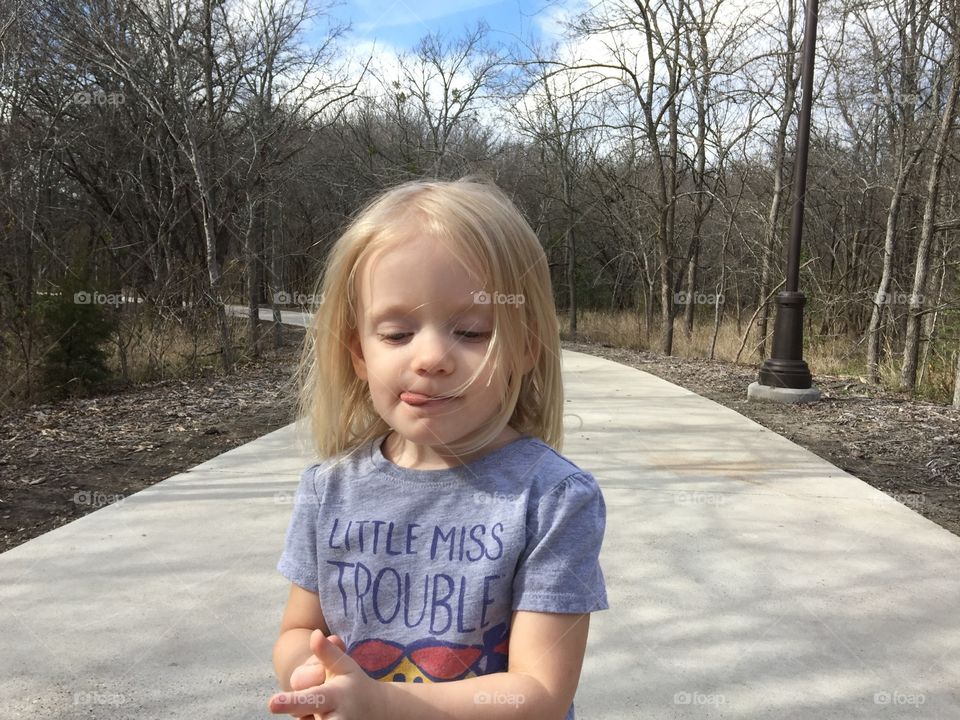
<point x="550" y="470"/>
<point x="343" y="464"/>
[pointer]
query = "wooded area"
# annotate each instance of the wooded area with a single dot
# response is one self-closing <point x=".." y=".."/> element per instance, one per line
<point x="163" y="158"/>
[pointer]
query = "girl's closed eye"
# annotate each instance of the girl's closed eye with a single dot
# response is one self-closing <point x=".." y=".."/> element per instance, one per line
<point x="392" y="337"/>
<point x="472" y="335"/>
<point x="395" y="338"/>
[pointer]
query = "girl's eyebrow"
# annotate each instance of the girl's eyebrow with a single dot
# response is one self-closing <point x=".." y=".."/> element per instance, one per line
<point x="398" y="309"/>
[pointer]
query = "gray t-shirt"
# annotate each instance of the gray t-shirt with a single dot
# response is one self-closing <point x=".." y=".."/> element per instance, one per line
<point x="419" y="570"/>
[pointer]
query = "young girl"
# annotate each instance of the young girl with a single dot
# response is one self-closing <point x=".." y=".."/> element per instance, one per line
<point x="444" y="547"/>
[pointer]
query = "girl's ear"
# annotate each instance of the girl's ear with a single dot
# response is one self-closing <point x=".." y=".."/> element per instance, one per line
<point x="356" y="355"/>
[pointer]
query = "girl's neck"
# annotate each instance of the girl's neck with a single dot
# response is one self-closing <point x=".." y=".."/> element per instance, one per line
<point x="424" y="457"/>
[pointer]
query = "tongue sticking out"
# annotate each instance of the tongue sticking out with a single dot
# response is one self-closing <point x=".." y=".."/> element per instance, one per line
<point x="419" y="399"/>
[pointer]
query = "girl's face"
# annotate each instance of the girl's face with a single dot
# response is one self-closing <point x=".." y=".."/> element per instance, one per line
<point x="420" y="335"/>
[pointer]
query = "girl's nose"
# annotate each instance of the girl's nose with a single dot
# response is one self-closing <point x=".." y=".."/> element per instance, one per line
<point x="432" y="353"/>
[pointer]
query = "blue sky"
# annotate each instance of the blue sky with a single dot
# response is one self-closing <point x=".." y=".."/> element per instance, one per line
<point x="401" y="23"/>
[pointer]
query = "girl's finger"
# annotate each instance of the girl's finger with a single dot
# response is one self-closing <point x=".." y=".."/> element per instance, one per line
<point x="307" y="676"/>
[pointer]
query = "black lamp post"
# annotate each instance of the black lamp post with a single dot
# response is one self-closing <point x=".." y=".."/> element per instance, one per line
<point x="786" y="367"/>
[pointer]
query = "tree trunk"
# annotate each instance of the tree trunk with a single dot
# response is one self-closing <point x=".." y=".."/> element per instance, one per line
<point x="718" y="307"/>
<point x="930" y="319"/>
<point x="691" y="283"/>
<point x="275" y="283"/>
<point x="571" y="269"/>
<point x="883" y="289"/>
<point x="254" y="232"/>
<point x="208" y="193"/>
<point x="956" y="383"/>
<point x="791" y="77"/>
<point x="666" y="304"/>
<point x="911" y="345"/>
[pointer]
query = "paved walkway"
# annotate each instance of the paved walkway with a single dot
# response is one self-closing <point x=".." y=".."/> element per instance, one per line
<point x="747" y="578"/>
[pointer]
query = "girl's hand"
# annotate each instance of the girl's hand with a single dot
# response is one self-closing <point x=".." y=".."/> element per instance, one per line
<point x="311" y="673"/>
<point x="345" y="693"/>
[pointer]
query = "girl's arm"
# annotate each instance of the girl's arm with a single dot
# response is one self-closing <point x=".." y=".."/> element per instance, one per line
<point x="545" y="658"/>
<point x="291" y="650"/>
<point x="301" y="617"/>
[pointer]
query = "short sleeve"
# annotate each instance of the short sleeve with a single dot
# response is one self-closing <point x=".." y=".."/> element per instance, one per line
<point x="559" y="570"/>
<point x="298" y="562"/>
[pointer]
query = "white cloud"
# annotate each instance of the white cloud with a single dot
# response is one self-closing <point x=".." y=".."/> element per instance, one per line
<point x="550" y="20"/>
<point x="384" y="61"/>
<point x="409" y="12"/>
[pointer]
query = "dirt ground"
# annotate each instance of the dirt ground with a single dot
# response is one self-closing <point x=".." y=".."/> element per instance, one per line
<point x="60" y="461"/>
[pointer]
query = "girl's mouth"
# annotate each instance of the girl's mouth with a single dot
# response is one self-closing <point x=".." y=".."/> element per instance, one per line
<point x="418" y="400"/>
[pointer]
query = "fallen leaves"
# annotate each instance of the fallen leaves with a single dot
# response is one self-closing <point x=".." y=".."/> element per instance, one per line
<point x="122" y="443"/>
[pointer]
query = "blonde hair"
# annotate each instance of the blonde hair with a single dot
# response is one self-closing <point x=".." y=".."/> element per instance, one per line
<point x="480" y="224"/>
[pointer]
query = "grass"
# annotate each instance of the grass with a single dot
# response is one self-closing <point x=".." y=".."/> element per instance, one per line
<point x="836" y="356"/>
<point x="157" y="346"/>
<point x="168" y="345"/>
<point x="183" y="345"/>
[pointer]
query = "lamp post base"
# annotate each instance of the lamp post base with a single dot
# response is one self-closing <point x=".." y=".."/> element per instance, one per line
<point x="785" y="377"/>
<point x="766" y="393"/>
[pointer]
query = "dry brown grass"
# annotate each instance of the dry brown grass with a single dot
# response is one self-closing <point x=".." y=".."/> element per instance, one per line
<point x="159" y="346"/>
<point x="836" y="356"/>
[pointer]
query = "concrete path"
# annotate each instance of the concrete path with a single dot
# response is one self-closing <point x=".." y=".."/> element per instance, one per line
<point x="747" y="578"/>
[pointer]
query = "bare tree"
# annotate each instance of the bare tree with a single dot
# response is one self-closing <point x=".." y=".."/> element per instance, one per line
<point x="911" y="345"/>
<point x="712" y="58"/>
<point x="460" y="74"/>
<point x="286" y="90"/>
<point x="896" y="91"/>
<point x="654" y="74"/>
<point x="554" y="109"/>
<point x="787" y="73"/>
